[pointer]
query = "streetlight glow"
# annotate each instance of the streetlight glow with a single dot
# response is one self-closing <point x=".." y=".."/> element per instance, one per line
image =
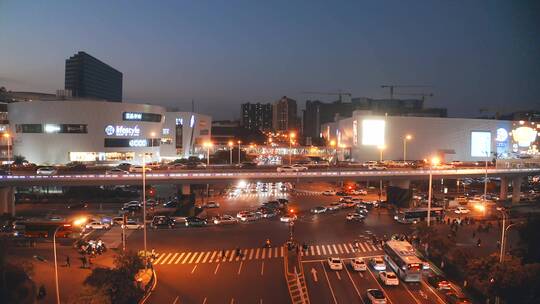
<point x="435" y="161"/>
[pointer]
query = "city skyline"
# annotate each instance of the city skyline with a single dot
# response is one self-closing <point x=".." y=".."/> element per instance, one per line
<point x="475" y="55"/>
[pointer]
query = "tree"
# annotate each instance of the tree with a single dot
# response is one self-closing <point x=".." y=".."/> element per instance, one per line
<point x="15" y="283"/>
<point x="529" y="235"/>
<point x="19" y="160"/>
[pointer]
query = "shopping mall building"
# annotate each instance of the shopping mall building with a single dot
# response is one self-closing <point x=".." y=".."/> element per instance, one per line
<point x="61" y="131"/>
<point x="365" y="136"/>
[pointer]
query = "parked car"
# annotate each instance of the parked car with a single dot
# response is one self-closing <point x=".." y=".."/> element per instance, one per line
<point x="116" y="171"/>
<point x="388" y="278"/>
<point x="462" y="210"/>
<point x="131" y="224"/>
<point x="211" y="205"/>
<point x="335" y="263"/>
<point x="139" y="169"/>
<point x="293" y="168"/>
<point x="319" y="209"/>
<point x="358" y="264"/>
<point x="162" y="221"/>
<point x="96" y="225"/>
<point x="329" y="192"/>
<point x="46" y="171"/>
<point x="225" y="220"/>
<point x="194" y="221"/>
<point x="376" y="296"/>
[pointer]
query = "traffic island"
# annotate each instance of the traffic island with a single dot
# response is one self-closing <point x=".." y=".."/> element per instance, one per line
<point x="294" y="273"/>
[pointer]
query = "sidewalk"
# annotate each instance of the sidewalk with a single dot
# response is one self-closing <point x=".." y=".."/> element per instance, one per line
<point x="294" y="275"/>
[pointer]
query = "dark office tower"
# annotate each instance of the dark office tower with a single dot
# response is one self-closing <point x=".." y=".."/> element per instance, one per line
<point x="88" y="77"/>
<point x="257" y="116"/>
<point x="284" y="115"/>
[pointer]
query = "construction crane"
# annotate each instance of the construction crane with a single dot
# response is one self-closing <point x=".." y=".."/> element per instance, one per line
<point x="392" y="86"/>
<point x="424" y="95"/>
<point x="339" y="94"/>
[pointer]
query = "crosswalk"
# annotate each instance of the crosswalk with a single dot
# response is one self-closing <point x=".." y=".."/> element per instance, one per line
<point x="218" y="256"/>
<point x="273" y="194"/>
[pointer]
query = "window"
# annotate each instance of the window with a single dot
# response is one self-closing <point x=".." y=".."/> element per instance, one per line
<point x="52" y="128"/>
<point x="131" y="142"/>
<point x="204" y="132"/>
<point x="29" y="128"/>
<point x="139" y="116"/>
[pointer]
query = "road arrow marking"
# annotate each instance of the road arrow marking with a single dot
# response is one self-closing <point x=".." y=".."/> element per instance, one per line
<point x="314" y="273"/>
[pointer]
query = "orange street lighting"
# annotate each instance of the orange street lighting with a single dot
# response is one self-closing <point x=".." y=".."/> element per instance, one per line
<point x="332" y="143"/>
<point x="435" y="161"/>
<point x="230" y="143"/>
<point x="292" y="135"/>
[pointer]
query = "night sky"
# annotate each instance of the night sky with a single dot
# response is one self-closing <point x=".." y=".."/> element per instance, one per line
<point x="475" y="54"/>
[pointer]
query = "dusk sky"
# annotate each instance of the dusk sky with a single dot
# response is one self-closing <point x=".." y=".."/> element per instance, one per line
<point x="475" y="54"/>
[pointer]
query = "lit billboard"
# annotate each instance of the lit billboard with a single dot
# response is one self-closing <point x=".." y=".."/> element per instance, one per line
<point x="373" y="132"/>
<point x="480" y="143"/>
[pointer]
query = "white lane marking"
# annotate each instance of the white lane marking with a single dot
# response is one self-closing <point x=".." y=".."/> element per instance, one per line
<point x="251" y="252"/>
<point x="415" y="299"/>
<point x="240" y="267"/>
<point x="282" y="251"/>
<point x="338" y="276"/>
<point x="179" y="257"/>
<point x="206" y="257"/>
<point x="199" y="258"/>
<point x="175" y="299"/>
<point x="212" y="257"/>
<point x="159" y="258"/>
<point x="354" y="285"/>
<point x="166" y="258"/>
<point x="323" y="249"/>
<point x="204" y="301"/>
<point x="345" y="248"/>
<point x="275" y="252"/>
<point x="330" y="249"/>
<point x="172" y="259"/>
<point x="263" y="253"/>
<point x="262" y="268"/>
<point x="362" y="247"/>
<point x="257" y="254"/>
<point x="186" y="258"/>
<point x="380" y="286"/>
<point x="193" y="257"/>
<point x="193" y="270"/>
<point x="312" y="250"/>
<point x="329" y="285"/>
<point x="269" y="253"/>
<point x="318" y="251"/>
<point x="217" y="267"/>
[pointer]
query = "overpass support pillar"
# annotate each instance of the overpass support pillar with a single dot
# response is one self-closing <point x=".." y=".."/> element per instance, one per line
<point x="516" y="189"/>
<point x="185" y="189"/>
<point x="503" y="195"/>
<point x="399" y="193"/>
<point x="7" y="200"/>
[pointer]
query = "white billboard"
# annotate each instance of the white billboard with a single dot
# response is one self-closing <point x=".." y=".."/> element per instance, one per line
<point x="373" y="132"/>
<point x="480" y="144"/>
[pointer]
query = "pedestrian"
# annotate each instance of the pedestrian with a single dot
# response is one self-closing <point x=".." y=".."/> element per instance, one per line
<point x="83" y="260"/>
<point x="479" y="242"/>
<point x="41" y="292"/>
<point x="473" y="234"/>
<point x="67" y="261"/>
<point x="237" y="251"/>
<point x="498" y="244"/>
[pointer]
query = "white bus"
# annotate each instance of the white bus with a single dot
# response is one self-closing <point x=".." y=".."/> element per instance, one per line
<point x="401" y="257"/>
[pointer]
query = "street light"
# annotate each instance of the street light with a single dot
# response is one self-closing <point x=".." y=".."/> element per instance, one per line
<point x="144" y="209"/>
<point x="405" y="139"/>
<point x="381" y="149"/>
<point x="8" y="139"/>
<point x="152" y="135"/>
<point x="292" y="136"/>
<point x="207" y="145"/>
<point x="434" y="162"/>
<point x="231" y="144"/>
<point x="239" y="155"/>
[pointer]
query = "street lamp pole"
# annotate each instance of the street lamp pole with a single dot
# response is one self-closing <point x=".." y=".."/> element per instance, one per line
<point x="56" y="266"/>
<point x="239" y="149"/>
<point x="434" y="161"/>
<point x="8" y="139"/>
<point x="231" y="144"/>
<point x="292" y="135"/>
<point x="381" y="149"/>
<point x="405" y="139"/>
<point x="144" y="210"/>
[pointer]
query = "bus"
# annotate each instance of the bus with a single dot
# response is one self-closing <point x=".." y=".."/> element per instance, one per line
<point x="46" y="229"/>
<point x="401" y="257"/>
<point x="415" y="215"/>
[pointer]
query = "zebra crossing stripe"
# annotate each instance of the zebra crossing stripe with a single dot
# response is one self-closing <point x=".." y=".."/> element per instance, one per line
<point x="329" y="249"/>
<point x="212" y="257"/>
<point x="263" y="253"/>
<point x="206" y="257"/>
<point x="345" y="248"/>
<point x="282" y="251"/>
<point x="172" y="258"/>
<point x="193" y="257"/>
<point x="275" y="252"/>
<point x="178" y="260"/>
<point x="186" y="258"/>
<point x="340" y="249"/>
<point x="362" y="247"/>
<point x="257" y="254"/>
<point x="251" y="252"/>
<point x="231" y="257"/>
<point x="166" y="258"/>
<point x="269" y="253"/>
<point x="323" y="249"/>
<point x="312" y="250"/>
<point x="199" y="258"/>
<point x="160" y="256"/>
<point x="351" y="247"/>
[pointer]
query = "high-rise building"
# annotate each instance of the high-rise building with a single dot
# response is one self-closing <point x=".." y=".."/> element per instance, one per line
<point x="284" y="117"/>
<point x="88" y="77"/>
<point x="257" y="116"/>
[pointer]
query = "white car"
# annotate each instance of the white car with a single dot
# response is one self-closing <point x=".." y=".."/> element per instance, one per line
<point x="333" y="207"/>
<point x="288" y="218"/>
<point x="248" y="216"/>
<point x="293" y="168"/>
<point x="462" y="210"/>
<point x="97" y="225"/>
<point x="376" y="296"/>
<point x="130" y="224"/>
<point x="319" y="209"/>
<point x="359" y="192"/>
<point x="346" y="199"/>
<point x="358" y="264"/>
<point x="388" y="278"/>
<point x="46" y="171"/>
<point x="139" y="169"/>
<point x="116" y="171"/>
<point x="211" y="205"/>
<point x="225" y="220"/>
<point x="378" y="264"/>
<point x="335" y="263"/>
<point x="377" y="168"/>
<point x="329" y="192"/>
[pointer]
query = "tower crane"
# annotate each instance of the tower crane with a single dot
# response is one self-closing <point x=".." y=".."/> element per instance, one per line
<point x="339" y="94"/>
<point x="423" y="95"/>
<point x="392" y="86"/>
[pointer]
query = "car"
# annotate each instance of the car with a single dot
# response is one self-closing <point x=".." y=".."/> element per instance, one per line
<point x="388" y="278"/>
<point x="462" y="210"/>
<point x="377" y="168"/>
<point x="195" y="165"/>
<point x="131" y="224"/>
<point x="346" y="199"/>
<point x="162" y="221"/>
<point x="329" y="192"/>
<point x="77" y="206"/>
<point x="151" y="203"/>
<point x="139" y="169"/>
<point x="132" y="207"/>
<point x="452" y="297"/>
<point x="225" y="220"/>
<point x="358" y="264"/>
<point x="439" y="282"/>
<point x="116" y="171"/>
<point x="211" y="205"/>
<point x="267" y="212"/>
<point x="378" y="264"/>
<point x="247" y="165"/>
<point x="194" y="221"/>
<point x="248" y="216"/>
<point x="335" y="263"/>
<point x="370" y="163"/>
<point x="333" y="207"/>
<point x="293" y="168"/>
<point x="282" y="201"/>
<point x="359" y="192"/>
<point x="376" y="296"/>
<point x="46" y="171"/>
<point x="355" y="217"/>
<point x="319" y="209"/>
<point x="171" y="204"/>
<point x="96" y="225"/>
<point x="176" y="166"/>
<point x="348" y="205"/>
<point x="288" y="218"/>
<point x="341" y="193"/>
<point x="117" y="220"/>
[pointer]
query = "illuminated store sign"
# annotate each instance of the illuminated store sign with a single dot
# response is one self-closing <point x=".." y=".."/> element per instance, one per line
<point x="502" y="135"/>
<point x="123" y="131"/>
<point x="132" y="116"/>
<point x="138" y="143"/>
<point x="524" y="136"/>
<point x="179" y="121"/>
<point x="50" y="128"/>
<point x="480" y="143"/>
<point x="355" y="132"/>
<point x="373" y="132"/>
